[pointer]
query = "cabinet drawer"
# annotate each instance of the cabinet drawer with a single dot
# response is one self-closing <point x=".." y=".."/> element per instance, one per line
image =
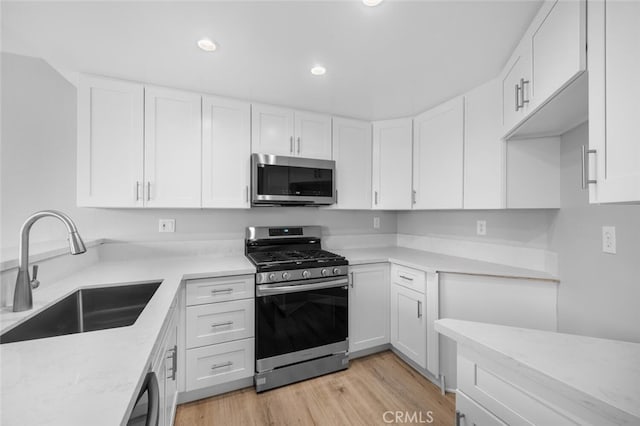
<point x="216" y="364"/>
<point x="472" y="413"/>
<point x="209" y="290"/>
<point x="408" y="277"/>
<point x="509" y="402"/>
<point x="219" y="322"/>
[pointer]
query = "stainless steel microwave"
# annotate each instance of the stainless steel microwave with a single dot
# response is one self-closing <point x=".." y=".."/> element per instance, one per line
<point x="291" y="181"/>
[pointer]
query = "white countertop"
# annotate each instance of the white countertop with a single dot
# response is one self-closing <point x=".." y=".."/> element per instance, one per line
<point x="91" y="378"/>
<point x="435" y="262"/>
<point x="596" y="372"/>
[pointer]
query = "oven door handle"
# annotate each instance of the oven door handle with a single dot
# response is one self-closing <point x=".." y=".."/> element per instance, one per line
<point x="273" y="289"/>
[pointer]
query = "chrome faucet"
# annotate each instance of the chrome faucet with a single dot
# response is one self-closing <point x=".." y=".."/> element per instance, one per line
<point x="22" y="297"/>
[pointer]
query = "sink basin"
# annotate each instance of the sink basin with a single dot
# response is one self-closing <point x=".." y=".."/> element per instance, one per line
<point x="85" y="310"/>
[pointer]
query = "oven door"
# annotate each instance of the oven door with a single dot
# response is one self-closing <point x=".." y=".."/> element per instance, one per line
<point x="298" y="321"/>
<point x="279" y="180"/>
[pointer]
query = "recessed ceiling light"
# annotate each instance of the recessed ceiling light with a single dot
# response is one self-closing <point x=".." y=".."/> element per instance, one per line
<point x="371" y="3"/>
<point x="207" y="45"/>
<point x="318" y="70"/>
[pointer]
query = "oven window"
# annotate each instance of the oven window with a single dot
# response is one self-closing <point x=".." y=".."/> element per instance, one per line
<point x="299" y="181"/>
<point x="297" y="321"/>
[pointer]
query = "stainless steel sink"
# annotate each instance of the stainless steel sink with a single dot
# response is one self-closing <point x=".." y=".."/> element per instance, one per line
<point x="86" y="310"/>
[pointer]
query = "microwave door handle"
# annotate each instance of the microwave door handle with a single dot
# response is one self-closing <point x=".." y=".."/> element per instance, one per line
<point x="271" y="290"/>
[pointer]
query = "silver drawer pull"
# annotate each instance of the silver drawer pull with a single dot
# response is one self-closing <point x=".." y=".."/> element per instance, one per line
<point x="226" y="364"/>
<point x="222" y="290"/>
<point x="405" y="278"/>
<point x="222" y="324"/>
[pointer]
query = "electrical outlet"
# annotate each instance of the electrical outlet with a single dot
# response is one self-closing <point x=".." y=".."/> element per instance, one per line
<point x="167" y="225"/>
<point x="376" y="222"/>
<point x="481" y="227"/>
<point x="609" y="239"/>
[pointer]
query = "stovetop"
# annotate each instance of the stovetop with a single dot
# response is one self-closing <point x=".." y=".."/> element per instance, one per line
<point x="292" y="256"/>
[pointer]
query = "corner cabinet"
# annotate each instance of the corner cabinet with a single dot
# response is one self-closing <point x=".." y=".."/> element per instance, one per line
<point x="110" y="143"/>
<point x="391" y="170"/>
<point x="438" y="146"/>
<point x="614" y="90"/>
<point x="368" y="306"/>
<point x="282" y="131"/>
<point x="352" y="154"/>
<point x="226" y="152"/>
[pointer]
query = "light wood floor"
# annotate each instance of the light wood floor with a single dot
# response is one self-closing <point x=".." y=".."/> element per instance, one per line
<point x="359" y="395"/>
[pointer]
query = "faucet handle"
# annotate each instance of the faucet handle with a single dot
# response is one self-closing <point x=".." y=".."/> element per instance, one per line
<point x="34" y="281"/>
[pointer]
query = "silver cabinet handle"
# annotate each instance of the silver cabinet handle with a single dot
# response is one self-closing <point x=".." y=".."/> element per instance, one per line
<point x="222" y="290"/>
<point x="522" y="98"/>
<point x="517" y="97"/>
<point x="291" y="144"/>
<point x="222" y="324"/>
<point x="404" y="277"/>
<point x="375" y="194"/>
<point x="225" y="364"/>
<point x="351" y="275"/>
<point x="246" y="193"/>
<point x="336" y="196"/>
<point x="149" y="191"/>
<point x="298" y="144"/>
<point x="413" y="196"/>
<point x="174" y="362"/>
<point x="585" y="167"/>
<point x="459" y="416"/>
<point x="419" y="309"/>
<point x="137" y="190"/>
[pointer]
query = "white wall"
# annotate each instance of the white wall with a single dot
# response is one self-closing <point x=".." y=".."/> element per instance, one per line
<point x="39" y="172"/>
<point x="599" y="293"/>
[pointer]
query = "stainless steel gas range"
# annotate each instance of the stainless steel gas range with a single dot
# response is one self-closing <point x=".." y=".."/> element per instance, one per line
<point x="301" y="305"/>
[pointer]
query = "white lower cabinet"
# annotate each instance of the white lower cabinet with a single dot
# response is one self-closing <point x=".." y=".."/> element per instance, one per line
<point x="368" y="306"/>
<point x="470" y="413"/>
<point x="165" y="363"/>
<point x="219" y="330"/>
<point x="408" y="323"/>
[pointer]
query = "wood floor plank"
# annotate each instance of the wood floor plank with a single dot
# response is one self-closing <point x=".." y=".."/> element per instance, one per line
<point x="361" y="395"/>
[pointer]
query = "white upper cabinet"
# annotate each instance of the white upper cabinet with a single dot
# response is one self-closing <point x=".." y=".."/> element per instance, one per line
<point x="312" y="135"/>
<point x="484" y="149"/>
<point x="226" y="151"/>
<point x="614" y="90"/>
<point x="543" y="94"/>
<point x="392" y="164"/>
<point x="438" y="156"/>
<point x="172" y="143"/>
<point x="352" y="154"/>
<point x="272" y="130"/>
<point x="110" y="143"/>
<point x="282" y="131"/>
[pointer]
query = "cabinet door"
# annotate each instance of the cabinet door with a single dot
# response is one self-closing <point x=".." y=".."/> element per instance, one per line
<point x="438" y="157"/>
<point x="271" y="130"/>
<point x="226" y="152"/>
<point x="352" y="154"/>
<point x="409" y="324"/>
<point x="313" y="135"/>
<point x="110" y="143"/>
<point x="517" y="74"/>
<point x="470" y="413"/>
<point x="614" y="90"/>
<point x="392" y="164"/>
<point x="558" y="48"/>
<point x="172" y="144"/>
<point x="484" y="149"/>
<point x="368" y="306"/>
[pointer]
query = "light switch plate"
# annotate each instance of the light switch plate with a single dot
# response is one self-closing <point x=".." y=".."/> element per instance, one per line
<point x="167" y="225"/>
<point x="481" y="227"/>
<point x="609" y="239"/>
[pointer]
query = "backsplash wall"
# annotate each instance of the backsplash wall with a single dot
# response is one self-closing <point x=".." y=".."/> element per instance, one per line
<point x="39" y="172"/>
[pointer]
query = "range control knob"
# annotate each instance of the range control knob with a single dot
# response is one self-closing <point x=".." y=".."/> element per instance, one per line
<point x="306" y="274"/>
<point x="336" y="271"/>
<point x="324" y="272"/>
<point x="272" y="277"/>
<point x="286" y="275"/>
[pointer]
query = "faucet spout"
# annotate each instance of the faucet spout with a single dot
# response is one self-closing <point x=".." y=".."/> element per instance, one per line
<point x="23" y="297"/>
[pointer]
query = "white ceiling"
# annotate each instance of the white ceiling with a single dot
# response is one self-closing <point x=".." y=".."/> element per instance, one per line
<point x="389" y="61"/>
